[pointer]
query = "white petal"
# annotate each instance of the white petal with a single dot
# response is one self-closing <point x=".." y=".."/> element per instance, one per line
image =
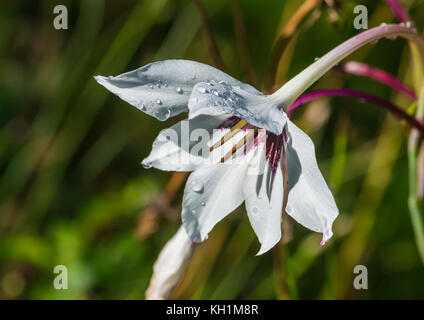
<point x="170" y="266"/>
<point x="161" y="89"/>
<point x="310" y="201"/>
<point x="185" y="145"/>
<point x="211" y="193"/>
<point x="214" y="98"/>
<point x="264" y="202"/>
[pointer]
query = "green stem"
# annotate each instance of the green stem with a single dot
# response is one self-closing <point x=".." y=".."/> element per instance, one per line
<point x="413" y="201"/>
<point x="414" y="210"/>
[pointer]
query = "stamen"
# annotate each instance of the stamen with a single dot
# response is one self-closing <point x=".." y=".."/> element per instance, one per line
<point x="251" y="133"/>
<point x="233" y="131"/>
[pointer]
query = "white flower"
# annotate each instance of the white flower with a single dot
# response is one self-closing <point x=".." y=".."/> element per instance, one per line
<point x="239" y="123"/>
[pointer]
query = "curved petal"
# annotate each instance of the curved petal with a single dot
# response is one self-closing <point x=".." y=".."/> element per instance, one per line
<point x="211" y="193"/>
<point x="170" y="266"/>
<point x="185" y="145"/>
<point x="161" y="89"/>
<point x="310" y="201"/>
<point x="214" y="98"/>
<point x="264" y="200"/>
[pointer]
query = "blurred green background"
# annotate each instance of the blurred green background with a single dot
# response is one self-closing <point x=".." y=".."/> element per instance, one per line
<point x="72" y="191"/>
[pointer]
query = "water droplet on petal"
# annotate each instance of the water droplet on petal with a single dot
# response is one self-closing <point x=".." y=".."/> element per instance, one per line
<point x="179" y="90"/>
<point x="143" y="107"/>
<point x="202" y="90"/>
<point x="289" y="209"/>
<point x="384" y="25"/>
<point x="167" y="114"/>
<point x="203" y="204"/>
<point x="146" y="165"/>
<point x="197" y="186"/>
<point x="158" y="101"/>
<point x="409" y="24"/>
<point x="151" y="86"/>
<point x="316" y="59"/>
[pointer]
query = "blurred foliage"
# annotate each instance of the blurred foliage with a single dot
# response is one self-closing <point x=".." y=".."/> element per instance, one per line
<point x="72" y="191"/>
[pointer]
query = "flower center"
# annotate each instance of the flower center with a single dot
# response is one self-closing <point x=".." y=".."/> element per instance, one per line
<point x="249" y="140"/>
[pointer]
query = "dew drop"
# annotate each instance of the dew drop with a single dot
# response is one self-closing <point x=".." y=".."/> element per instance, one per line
<point x="163" y="114"/>
<point x="179" y="90"/>
<point x="202" y="90"/>
<point x="203" y="204"/>
<point x="197" y="186"/>
<point x="143" y="107"/>
<point x="146" y="165"/>
<point x="316" y="59"/>
<point x="151" y="86"/>
<point x="167" y="114"/>
<point x="289" y="209"/>
<point x="384" y="25"/>
<point x="409" y="24"/>
<point x="159" y="101"/>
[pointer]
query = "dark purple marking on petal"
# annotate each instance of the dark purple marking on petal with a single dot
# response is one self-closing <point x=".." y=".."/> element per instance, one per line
<point x="274" y="144"/>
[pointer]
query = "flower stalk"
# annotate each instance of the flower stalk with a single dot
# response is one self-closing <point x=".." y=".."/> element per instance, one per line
<point x="290" y="91"/>
<point x="395" y="110"/>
